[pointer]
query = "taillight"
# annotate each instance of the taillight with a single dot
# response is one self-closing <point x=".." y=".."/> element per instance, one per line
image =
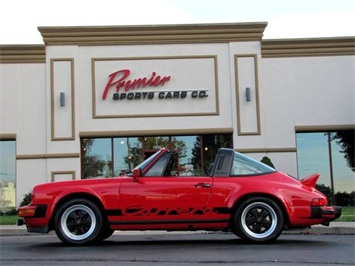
<point x="319" y="202"/>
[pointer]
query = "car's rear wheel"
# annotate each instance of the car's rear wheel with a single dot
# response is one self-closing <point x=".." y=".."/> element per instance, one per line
<point x="258" y="219"/>
<point x="78" y="221"/>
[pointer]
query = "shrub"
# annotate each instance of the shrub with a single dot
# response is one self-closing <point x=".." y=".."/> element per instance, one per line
<point x="266" y="160"/>
<point x="26" y="199"/>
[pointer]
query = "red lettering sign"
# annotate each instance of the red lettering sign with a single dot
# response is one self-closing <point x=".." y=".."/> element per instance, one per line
<point x="119" y="79"/>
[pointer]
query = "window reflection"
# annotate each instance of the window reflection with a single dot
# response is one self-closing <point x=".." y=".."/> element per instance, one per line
<point x="7" y="175"/>
<point x="127" y="154"/>
<point x="96" y="158"/>
<point x="333" y="162"/>
<point x="184" y="146"/>
<point x="116" y="156"/>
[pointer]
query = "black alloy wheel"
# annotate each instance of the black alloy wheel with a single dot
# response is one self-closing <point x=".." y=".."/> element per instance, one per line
<point x="258" y="219"/>
<point x="78" y="222"/>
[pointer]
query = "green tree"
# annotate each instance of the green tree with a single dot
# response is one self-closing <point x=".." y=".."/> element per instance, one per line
<point x="136" y="155"/>
<point x="266" y="160"/>
<point x="155" y="143"/>
<point x="327" y="191"/>
<point x="210" y="145"/>
<point x="346" y="139"/>
<point x="344" y="199"/>
<point x="26" y="199"/>
<point x="92" y="166"/>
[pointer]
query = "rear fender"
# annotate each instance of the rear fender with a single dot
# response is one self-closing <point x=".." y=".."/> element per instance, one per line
<point x="283" y="204"/>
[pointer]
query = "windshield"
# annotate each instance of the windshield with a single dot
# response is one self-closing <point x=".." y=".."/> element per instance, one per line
<point x="147" y="162"/>
<point x="243" y="165"/>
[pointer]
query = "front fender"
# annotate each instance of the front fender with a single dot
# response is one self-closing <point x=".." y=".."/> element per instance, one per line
<point x="107" y="198"/>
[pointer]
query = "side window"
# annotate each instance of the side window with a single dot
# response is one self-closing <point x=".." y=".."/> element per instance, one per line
<point x="243" y="165"/>
<point x="158" y="168"/>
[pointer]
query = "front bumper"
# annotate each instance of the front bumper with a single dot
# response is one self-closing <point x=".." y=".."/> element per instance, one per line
<point x="34" y="218"/>
<point x="329" y="213"/>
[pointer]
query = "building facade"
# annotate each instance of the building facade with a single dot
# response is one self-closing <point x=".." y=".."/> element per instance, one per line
<point x="95" y="100"/>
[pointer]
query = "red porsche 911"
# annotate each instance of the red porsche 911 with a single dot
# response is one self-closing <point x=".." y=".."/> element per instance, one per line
<point x="241" y="195"/>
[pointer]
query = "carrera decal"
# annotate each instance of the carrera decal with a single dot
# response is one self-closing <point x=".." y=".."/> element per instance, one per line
<point x="169" y="222"/>
<point x="163" y="212"/>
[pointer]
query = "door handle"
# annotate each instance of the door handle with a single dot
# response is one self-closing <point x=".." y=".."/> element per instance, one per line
<point x="203" y="185"/>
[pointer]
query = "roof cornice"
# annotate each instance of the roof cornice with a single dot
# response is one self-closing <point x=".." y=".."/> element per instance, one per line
<point x="308" y="47"/>
<point x="35" y="53"/>
<point x="153" y="34"/>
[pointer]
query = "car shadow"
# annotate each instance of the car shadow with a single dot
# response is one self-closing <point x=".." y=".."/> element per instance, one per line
<point x="189" y="240"/>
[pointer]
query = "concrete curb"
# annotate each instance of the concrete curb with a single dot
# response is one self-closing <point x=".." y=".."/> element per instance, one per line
<point x="335" y="228"/>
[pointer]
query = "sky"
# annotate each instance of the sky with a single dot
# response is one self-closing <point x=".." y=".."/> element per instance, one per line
<point x="313" y="157"/>
<point x="286" y="18"/>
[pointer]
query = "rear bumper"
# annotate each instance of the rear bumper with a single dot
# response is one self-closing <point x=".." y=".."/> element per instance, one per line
<point x="329" y="213"/>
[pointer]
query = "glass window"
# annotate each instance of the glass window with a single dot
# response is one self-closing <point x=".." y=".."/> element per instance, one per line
<point x="343" y="160"/>
<point x="116" y="156"/>
<point x="184" y="146"/>
<point x="243" y="165"/>
<point x="127" y="155"/>
<point x="159" y="167"/>
<point x="145" y="163"/>
<point x="96" y="158"/>
<point x="313" y="156"/>
<point x="329" y="153"/>
<point x="7" y="175"/>
<point x="205" y="150"/>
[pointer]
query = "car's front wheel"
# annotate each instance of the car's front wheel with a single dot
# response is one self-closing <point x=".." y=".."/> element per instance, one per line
<point x="258" y="219"/>
<point x="78" y="222"/>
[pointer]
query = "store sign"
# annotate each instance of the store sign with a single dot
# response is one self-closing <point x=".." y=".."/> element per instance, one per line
<point x="123" y="86"/>
<point x="156" y="87"/>
<point x="120" y="80"/>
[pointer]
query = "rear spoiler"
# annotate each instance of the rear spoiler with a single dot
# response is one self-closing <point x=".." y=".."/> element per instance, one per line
<point x="310" y="181"/>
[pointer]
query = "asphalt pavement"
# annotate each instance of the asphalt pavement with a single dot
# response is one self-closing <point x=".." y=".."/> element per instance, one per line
<point x="335" y="228"/>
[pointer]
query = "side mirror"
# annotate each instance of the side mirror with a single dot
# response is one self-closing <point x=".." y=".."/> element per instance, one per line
<point x="136" y="173"/>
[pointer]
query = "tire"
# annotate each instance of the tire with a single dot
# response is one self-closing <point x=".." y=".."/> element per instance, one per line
<point x="106" y="233"/>
<point x="78" y="222"/>
<point x="258" y="220"/>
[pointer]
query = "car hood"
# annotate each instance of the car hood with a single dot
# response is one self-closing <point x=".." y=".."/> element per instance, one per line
<point x="81" y="182"/>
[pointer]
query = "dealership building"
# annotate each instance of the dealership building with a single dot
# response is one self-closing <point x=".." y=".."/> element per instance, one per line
<point x="94" y="101"/>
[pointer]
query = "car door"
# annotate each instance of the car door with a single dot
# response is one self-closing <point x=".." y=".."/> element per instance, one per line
<point x="163" y="198"/>
<point x="159" y="197"/>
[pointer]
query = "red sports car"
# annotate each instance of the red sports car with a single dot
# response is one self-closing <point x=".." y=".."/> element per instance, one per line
<point x="241" y="195"/>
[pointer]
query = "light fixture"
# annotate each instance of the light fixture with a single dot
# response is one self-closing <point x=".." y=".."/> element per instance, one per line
<point x="62" y="99"/>
<point x="247" y="94"/>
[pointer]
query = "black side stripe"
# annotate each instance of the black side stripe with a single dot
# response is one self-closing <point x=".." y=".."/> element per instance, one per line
<point x="118" y="212"/>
